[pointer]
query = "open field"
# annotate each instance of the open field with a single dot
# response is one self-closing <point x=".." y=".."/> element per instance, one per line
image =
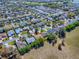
<point x="72" y="41"/>
<point x="70" y="51"/>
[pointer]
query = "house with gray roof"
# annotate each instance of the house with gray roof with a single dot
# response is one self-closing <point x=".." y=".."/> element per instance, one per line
<point x="30" y="40"/>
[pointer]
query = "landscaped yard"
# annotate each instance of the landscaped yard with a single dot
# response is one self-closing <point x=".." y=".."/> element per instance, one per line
<point x="70" y="51"/>
<point x="11" y="43"/>
<point x="24" y="32"/>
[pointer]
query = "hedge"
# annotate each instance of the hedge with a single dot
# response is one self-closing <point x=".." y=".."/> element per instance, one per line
<point x="38" y="43"/>
<point x="72" y="26"/>
<point x="24" y="50"/>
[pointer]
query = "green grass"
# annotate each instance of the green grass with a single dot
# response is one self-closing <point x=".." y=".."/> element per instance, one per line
<point x="16" y="36"/>
<point x="34" y="3"/>
<point x="48" y="28"/>
<point x="11" y="43"/>
<point x="24" y="32"/>
<point x="43" y="31"/>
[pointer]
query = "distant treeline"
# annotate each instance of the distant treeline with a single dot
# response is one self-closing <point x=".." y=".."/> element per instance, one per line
<point x="51" y="5"/>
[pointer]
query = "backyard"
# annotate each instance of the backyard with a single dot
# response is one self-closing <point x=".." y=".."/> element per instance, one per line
<point x="70" y="51"/>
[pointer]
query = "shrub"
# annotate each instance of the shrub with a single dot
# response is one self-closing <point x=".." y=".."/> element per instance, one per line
<point x="61" y="33"/>
<point x="76" y="23"/>
<point x="36" y="44"/>
<point x="41" y="41"/>
<point x="51" y="37"/>
<point x="24" y="50"/>
<point x="4" y="40"/>
<point x="69" y="27"/>
<point x="72" y="26"/>
<point x="71" y="14"/>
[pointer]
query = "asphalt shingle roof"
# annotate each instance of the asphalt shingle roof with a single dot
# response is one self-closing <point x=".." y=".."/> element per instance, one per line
<point x="30" y="40"/>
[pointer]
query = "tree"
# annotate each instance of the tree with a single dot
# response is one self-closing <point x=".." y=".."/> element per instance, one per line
<point x="71" y="14"/>
<point x="41" y="41"/>
<point x="52" y="5"/>
<point x="51" y="37"/>
<point x="71" y="26"/>
<point x="76" y="23"/>
<point x="36" y="31"/>
<point x="35" y="44"/>
<point x="8" y="53"/>
<point x="24" y="50"/>
<point x="54" y="23"/>
<point x="62" y="35"/>
<point x="77" y="12"/>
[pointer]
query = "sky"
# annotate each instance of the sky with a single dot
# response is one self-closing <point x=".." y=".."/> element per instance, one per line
<point x="76" y="1"/>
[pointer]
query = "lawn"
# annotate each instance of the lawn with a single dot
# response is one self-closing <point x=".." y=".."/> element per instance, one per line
<point x="11" y="43"/>
<point x="24" y="32"/>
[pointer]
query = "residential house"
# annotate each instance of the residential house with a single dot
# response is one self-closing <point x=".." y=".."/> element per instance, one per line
<point x="30" y="40"/>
